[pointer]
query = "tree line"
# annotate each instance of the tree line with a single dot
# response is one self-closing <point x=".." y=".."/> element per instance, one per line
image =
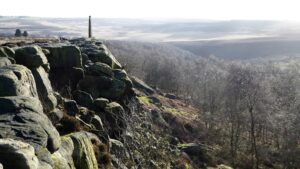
<point x="250" y="110"/>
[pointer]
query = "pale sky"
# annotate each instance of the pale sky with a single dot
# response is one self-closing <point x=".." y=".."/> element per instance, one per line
<point x="194" y="9"/>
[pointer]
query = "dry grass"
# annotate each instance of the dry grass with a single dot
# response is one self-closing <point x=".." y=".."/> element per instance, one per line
<point x="177" y="107"/>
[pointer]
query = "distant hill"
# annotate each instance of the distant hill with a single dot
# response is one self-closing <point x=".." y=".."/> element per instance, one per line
<point x="270" y="49"/>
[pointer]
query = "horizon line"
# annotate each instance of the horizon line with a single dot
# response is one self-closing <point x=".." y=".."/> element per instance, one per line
<point x="148" y="18"/>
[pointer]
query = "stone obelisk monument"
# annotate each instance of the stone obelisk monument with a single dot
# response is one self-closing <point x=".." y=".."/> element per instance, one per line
<point x="90" y="27"/>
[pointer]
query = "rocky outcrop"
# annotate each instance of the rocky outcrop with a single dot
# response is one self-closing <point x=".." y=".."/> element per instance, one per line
<point x="48" y="96"/>
<point x="100" y="53"/>
<point x="21" y="113"/>
<point x="102" y="68"/>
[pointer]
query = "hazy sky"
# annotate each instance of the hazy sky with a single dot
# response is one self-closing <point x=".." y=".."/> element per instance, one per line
<point x="200" y="9"/>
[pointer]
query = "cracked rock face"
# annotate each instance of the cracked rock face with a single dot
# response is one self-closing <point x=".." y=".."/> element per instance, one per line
<point x="44" y="88"/>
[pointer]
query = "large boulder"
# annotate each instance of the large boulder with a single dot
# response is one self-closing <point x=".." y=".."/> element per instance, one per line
<point x="22" y="118"/>
<point x="139" y="84"/>
<point x="115" y="115"/>
<point x="77" y="151"/>
<point x="17" y="80"/>
<point x="66" y="67"/>
<point x="99" y="69"/>
<point x="83" y="98"/>
<point x="44" y="88"/>
<point x="64" y="56"/>
<point x="101" y="86"/>
<point x="30" y="56"/>
<point x="121" y="74"/>
<point x="101" y="102"/>
<point x="199" y="153"/>
<point x="192" y="149"/>
<point x="17" y="155"/>
<point x="102" y="54"/>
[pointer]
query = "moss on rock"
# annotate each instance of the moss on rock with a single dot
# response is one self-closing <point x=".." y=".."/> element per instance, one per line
<point x="83" y="154"/>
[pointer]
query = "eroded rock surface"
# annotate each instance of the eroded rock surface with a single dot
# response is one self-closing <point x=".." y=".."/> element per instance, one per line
<point x="22" y="118"/>
<point x="17" y="80"/>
